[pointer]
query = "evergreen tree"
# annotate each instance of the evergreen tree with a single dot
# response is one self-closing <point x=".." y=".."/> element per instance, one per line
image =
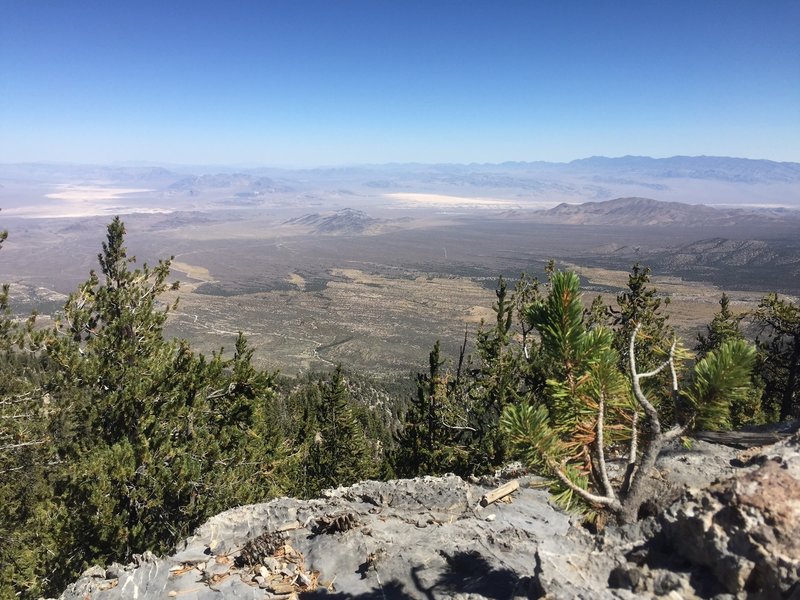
<point x="151" y="438"/>
<point x="591" y="402"/>
<point x="495" y="382"/>
<point x="429" y="443"/>
<point x="338" y="452"/>
<point x="778" y="322"/>
<point x="25" y="454"/>
<point x="452" y="423"/>
<point x="641" y="306"/>
<point x="745" y="409"/>
<point x="527" y="291"/>
<point x="723" y="327"/>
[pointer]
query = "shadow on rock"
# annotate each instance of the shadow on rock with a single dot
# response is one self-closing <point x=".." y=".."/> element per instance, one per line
<point x="466" y="573"/>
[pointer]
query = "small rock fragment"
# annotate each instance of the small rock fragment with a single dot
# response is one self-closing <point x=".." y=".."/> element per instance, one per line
<point x="626" y="577"/>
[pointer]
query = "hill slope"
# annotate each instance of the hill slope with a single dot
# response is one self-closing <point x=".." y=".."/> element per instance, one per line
<point x="649" y="212"/>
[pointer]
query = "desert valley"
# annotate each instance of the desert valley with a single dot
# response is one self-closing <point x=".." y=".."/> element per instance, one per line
<point x="370" y="265"/>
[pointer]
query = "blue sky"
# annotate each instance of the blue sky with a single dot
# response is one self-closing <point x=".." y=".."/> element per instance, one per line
<point x="333" y="82"/>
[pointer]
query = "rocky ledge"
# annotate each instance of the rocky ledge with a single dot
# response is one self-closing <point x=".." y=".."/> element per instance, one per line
<point x="725" y="528"/>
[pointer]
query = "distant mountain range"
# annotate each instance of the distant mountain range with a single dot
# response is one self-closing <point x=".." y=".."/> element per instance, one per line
<point x="245" y="184"/>
<point x="649" y="212"/>
<point x="762" y="245"/>
<point x="692" y="179"/>
<point x="743" y="170"/>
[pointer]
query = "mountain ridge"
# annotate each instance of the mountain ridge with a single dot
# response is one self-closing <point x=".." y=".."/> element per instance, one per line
<point x="650" y="212"/>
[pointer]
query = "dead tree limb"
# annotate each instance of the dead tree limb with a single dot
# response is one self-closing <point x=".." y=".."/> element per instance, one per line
<point x="501" y="492"/>
<point x="652" y="445"/>
<point x="601" y="456"/>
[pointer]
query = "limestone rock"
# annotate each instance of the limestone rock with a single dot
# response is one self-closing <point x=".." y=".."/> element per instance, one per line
<point x="529" y="549"/>
<point x="744" y="530"/>
<point x="430" y="538"/>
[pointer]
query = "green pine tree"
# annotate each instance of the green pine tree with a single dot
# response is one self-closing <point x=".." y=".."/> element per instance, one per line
<point x="26" y="516"/>
<point x="496" y="381"/>
<point x="591" y="404"/>
<point x="429" y="442"/>
<point x="338" y="452"/>
<point x="640" y="305"/>
<point x="745" y="409"/>
<point x="152" y="439"/>
<point x="778" y="323"/>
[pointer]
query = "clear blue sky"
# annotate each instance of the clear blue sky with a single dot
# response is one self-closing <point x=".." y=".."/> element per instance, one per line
<point x="302" y="83"/>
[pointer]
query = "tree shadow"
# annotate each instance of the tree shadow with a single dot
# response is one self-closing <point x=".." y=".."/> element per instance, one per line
<point x="466" y="573"/>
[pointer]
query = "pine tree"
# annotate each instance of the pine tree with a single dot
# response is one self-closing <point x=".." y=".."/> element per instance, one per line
<point x="745" y="409"/>
<point x="495" y="382"/>
<point x="778" y="322"/>
<point x="25" y="454"/>
<point x="452" y="423"/>
<point x="429" y="441"/>
<point x="723" y="327"/>
<point x="640" y="305"/>
<point x="152" y="439"/>
<point x="590" y="402"/>
<point x="338" y="452"/>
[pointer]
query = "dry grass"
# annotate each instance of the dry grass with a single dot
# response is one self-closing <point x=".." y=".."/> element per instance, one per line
<point x="362" y="320"/>
<point x="193" y="271"/>
<point x="297" y="280"/>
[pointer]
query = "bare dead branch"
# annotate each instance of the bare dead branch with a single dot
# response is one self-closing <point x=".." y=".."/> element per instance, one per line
<point x="500" y="492"/>
<point x="674" y="433"/>
<point x="653" y="445"/>
<point x="457" y="427"/>
<point x="636" y="377"/>
<point x="20" y="445"/>
<point x="560" y="473"/>
<point x="601" y="456"/>
<point x="633" y="454"/>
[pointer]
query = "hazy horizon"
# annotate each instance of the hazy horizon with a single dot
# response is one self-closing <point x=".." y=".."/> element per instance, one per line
<point x="314" y="83"/>
<point x="133" y="163"/>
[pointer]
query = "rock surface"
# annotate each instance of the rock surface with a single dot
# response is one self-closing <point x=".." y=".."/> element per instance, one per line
<point x="430" y="538"/>
<point x="740" y="536"/>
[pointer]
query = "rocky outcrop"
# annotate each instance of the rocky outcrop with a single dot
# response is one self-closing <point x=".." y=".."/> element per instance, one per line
<point x="735" y="538"/>
<point x="419" y="538"/>
<point x="431" y="538"/>
<point x="739" y="535"/>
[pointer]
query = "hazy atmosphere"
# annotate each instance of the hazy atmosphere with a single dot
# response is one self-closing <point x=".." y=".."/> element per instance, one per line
<point x="317" y="83"/>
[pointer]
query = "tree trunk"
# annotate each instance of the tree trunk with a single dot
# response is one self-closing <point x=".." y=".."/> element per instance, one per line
<point x="637" y="492"/>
